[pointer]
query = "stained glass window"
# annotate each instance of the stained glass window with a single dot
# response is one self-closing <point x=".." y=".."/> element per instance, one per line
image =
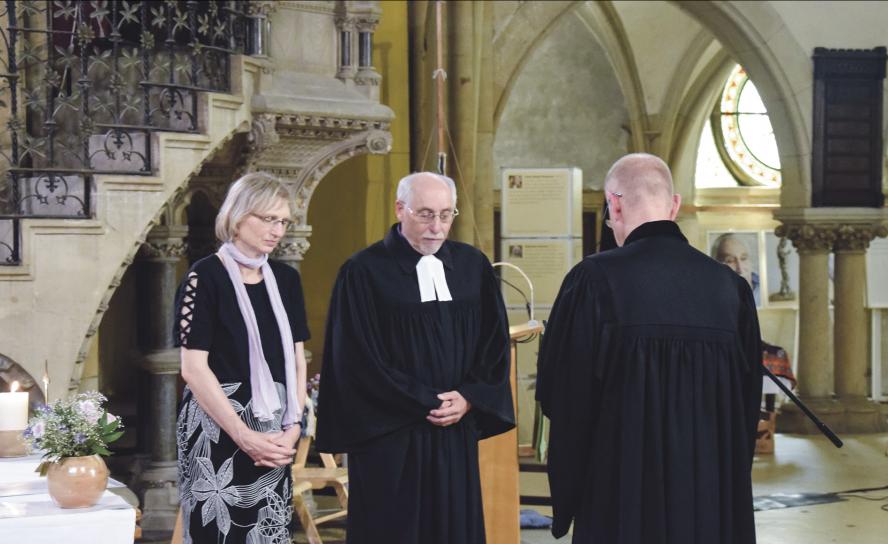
<point x="746" y="135"/>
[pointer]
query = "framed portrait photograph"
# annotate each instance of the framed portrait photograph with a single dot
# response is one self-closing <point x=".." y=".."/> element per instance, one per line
<point x="739" y="250"/>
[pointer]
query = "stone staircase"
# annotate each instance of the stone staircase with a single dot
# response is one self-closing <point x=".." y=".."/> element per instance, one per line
<point x="52" y="303"/>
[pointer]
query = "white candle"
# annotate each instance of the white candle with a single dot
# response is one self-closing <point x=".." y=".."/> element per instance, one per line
<point x="13" y="409"/>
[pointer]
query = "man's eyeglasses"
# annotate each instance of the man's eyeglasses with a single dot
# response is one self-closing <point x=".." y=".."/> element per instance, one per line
<point x="271" y="221"/>
<point x="607" y="207"/>
<point x="427" y="216"/>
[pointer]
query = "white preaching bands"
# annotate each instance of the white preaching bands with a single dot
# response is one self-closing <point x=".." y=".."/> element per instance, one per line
<point x="432" y="282"/>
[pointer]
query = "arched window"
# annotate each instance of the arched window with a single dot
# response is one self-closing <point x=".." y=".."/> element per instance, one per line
<point x="737" y="146"/>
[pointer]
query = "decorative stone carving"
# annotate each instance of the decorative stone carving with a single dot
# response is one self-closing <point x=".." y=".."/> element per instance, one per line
<point x="262" y="133"/>
<point x="262" y="7"/>
<point x="293" y="247"/>
<point x="806" y="237"/>
<point x="162" y="250"/>
<point x="301" y="149"/>
<point x="369" y="77"/>
<point x="366" y="22"/>
<point x="857" y="237"/>
<point x="164" y="243"/>
<point x="828" y="229"/>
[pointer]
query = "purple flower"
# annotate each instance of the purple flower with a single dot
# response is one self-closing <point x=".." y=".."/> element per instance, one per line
<point x="90" y="410"/>
<point x="79" y="438"/>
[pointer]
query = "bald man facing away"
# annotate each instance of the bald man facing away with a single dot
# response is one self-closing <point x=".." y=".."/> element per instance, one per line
<point x="650" y="373"/>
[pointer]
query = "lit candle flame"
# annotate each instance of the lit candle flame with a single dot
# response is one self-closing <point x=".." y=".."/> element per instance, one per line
<point x="46" y="381"/>
<point x="13" y="387"/>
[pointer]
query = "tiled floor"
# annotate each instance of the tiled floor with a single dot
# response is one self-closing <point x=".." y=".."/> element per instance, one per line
<point x="801" y="464"/>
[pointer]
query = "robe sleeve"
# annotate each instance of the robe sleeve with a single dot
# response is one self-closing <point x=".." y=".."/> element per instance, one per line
<point x="568" y="388"/>
<point x="487" y="384"/>
<point x="361" y="395"/>
<point x="750" y="336"/>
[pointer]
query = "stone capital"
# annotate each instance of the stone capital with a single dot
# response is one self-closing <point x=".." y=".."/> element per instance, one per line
<point x="164" y="244"/>
<point x="808" y="237"/>
<point x="263" y="8"/>
<point x="857" y="237"/>
<point x="293" y="247"/>
<point x="345" y="23"/>
<point x="366" y="23"/>
<point x="827" y="229"/>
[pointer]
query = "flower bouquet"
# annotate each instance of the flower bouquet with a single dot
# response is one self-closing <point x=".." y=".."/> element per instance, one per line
<point x="73" y="433"/>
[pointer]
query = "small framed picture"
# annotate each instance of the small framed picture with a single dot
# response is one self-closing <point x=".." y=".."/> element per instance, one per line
<point x="739" y="250"/>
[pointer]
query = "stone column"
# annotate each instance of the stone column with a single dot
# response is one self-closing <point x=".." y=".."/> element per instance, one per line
<point x="852" y="328"/>
<point x="469" y="61"/>
<point x="160" y="256"/>
<point x="367" y="78"/>
<point x="814" y="359"/>
<point x="841" y="369"/>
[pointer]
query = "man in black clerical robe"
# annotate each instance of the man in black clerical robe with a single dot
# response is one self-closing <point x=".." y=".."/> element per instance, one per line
<point x="650" y="373"/>
<point x="415" y="372"/>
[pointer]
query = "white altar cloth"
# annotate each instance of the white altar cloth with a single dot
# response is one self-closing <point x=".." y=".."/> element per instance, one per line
<point x="28" y="515"/>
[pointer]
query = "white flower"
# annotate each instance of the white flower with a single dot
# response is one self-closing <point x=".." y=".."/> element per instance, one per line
<point x="212" y="488"/>
<point x="111" y="417"/>
<point x="90" y="410"/>
<point x="38" y="428"/>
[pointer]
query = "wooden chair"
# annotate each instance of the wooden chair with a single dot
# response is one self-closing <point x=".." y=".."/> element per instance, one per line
<point x="328" y="475"/>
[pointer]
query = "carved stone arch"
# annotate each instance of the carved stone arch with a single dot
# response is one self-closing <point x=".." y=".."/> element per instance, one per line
<point x="684" y="82"/>
<point x="372" y="142"/>
<point x="10" y="371"/>
<point x="605" y="23"/>
<point x="513" y="44"/>
<point x="694" y="110"/>
<point x="165" y="212"/>
<point x="301" y="149"/>
<point x="513" y="47"/>
<point x="782" y="73"/>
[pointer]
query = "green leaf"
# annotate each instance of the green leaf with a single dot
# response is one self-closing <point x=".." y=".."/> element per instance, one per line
<point x="112" y="437"/>
<point x="102" y="450"/>
<point x="43" y="468"/>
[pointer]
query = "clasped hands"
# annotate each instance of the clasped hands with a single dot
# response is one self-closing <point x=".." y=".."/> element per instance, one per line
<point x="270" y="450"/>
<point x="453" y="407"/>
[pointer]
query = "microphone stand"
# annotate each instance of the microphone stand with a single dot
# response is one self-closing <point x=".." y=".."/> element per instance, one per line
<point x="820" y="425"/>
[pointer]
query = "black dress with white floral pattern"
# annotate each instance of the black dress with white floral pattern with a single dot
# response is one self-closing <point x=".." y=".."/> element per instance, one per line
<point x="224" y="497"/>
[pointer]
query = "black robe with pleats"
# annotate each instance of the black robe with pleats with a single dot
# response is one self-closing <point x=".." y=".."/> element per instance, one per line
<point x="386" y="358"/>
<point x="650" y="373"/>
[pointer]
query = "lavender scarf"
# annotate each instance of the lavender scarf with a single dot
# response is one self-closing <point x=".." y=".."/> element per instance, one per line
<point x="265" y="398"/>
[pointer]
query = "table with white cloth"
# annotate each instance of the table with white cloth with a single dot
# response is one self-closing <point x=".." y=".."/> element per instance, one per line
<point x="28" y="515"/>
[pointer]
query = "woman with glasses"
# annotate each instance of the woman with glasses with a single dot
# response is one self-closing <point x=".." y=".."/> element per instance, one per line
<point x="240" y="321"/>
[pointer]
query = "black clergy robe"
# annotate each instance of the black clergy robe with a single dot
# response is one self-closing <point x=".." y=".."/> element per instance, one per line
<point x="650" y="373"/>
<point x="386" y="358"/>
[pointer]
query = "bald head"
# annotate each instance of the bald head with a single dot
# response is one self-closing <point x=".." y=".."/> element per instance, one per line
<point x="638" y="189"/>
<point x="643" y="179"/>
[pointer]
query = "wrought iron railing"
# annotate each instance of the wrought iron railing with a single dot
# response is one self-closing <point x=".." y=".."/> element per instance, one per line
<point x="83" y="84"/>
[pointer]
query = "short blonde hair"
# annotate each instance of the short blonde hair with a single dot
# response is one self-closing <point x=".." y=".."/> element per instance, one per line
<point x="255" y="192"/>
